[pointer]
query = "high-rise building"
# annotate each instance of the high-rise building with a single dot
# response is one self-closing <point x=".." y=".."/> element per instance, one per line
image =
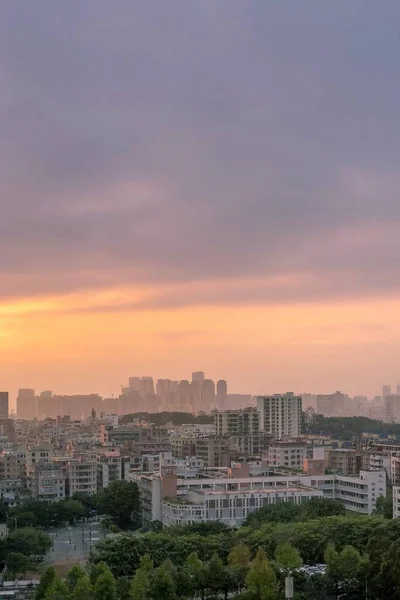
<point x="198" y="376"/>
<point x="208" y="395"/>
<point x="391" y="404"/>
<point x="26" y="404"/>
<point x="146" y="387"/>
<point x="3" y="405"/>
<point x="331" y="405"/>
<point x="222" y="393"/>
<point x="280" y="415"/>
<point x="134" y="383"/>
<point x="237" y="422"/>
<point x="386" y="390"/>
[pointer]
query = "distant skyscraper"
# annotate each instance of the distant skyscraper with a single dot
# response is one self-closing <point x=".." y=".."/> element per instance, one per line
<point x="146" y="386"/>
<point x="280" y="415"/>
<point x="208" y="395"/>
<point x="26" y="404"/>
<point x="398" y="388"/>
<point x="198" y="376"/>
<point x="331" y="405"/>
<point x="4" y="405"/>
<point x="386" y="390"/>
<point x="222" y="393"/>
<point x="134" y="383"/>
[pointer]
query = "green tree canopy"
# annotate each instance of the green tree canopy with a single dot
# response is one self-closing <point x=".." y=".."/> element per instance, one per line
<point x="120" y="500"/>
<point x="16" y="563"/>
<point x="105" y="587"/>
<point x="162" y="585"/>
<point x="46" y="580"/>
<point x="261" y="579"/>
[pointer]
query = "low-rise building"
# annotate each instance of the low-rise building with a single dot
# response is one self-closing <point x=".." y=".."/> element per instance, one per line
<point x="82" y="476"/>
<point x="47" y="482"/>
<point x="346" y="461"/>
<point x="290" y="454"/>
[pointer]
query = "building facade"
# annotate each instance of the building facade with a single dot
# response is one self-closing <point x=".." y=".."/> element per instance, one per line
<point x="280" y="415"/>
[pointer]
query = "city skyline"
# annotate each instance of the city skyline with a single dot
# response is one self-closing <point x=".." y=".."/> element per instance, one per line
<point x="199" y="183"/>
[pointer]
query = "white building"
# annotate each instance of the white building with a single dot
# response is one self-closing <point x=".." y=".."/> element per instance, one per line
<point x="172" y="499"/>
<point x="280" y="415"/>
<point x="396" y="502"/>
<point x="229" y="506"/>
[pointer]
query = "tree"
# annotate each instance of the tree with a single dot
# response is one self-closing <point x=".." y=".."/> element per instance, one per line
<point x="45" y="582"/>
<point x="16" y="563"/>
<point x="321" y="507"/>
<point x="83" y="589"/>
<point x="344" y="568"/>
<point x="140" y="584"/>
<point x="261" y="578"/>
<point x="105" y="587"/>
<point x="384" y="505"/>
<point x="287" y="557"/>
<point x="195" y="574"/>
<point x="74" y="575"/>
<point x="216" y="579"/>
<point x="28" y="541"/>
<point x="120" y="500"/>
<point x="239" y="561"/>
<point x="98" y="569"/>
<point x="162" y="585"/>
<point x="58" y="590"/>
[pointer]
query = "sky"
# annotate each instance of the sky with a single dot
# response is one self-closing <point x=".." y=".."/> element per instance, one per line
<point x="191" y="185"/>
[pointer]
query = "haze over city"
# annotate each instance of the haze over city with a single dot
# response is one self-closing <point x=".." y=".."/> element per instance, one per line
<point x="199" y="185"/>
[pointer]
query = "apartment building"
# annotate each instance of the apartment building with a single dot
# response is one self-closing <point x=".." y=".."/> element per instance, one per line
<point x="47" y="482"/>
<point x="289" y="454"/>
<point x="396" y="502"/>
<point x="214" y="451"/>
<point x="82" y="476"/>
<point x="237" y="422"/>
<point x="12" y="465"/>
<point x="346" y="461"/>
<point x="109" y="468"/>
<point x="280" y="415"/>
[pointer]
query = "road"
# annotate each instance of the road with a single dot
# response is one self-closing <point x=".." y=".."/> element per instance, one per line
<point x="74" y="543"/>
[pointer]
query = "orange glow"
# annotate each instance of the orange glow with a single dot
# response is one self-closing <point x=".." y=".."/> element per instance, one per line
<point x="93" y="341"/>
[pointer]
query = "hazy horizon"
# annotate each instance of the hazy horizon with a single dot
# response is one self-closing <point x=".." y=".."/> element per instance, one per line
<point x="199" y="185"/>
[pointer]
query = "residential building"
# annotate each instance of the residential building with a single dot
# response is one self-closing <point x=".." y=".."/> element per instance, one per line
<point x="331" y="405"/>
<point x="26" y="404"/>
<point x="47" y="482"/>
<point x="346" y="461"/>
<point x="237" y="422"/>
<point x="280" y="415"/>
<point x="290" y="455"/>
<point x="4" y="406"/>
<point x="109" y="468"/>
<point x="396" y="502"/>
<point x="82" y="476"/>
<point x="214" y="451"/>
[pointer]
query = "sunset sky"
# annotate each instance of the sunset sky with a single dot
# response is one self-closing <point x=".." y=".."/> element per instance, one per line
<point x="200" y="184"/>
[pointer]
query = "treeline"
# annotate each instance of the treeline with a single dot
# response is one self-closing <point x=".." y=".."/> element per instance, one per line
<point x="346" y="428"/>
<point x="119" y="501"/>
<point x="241" y="577"/>
<point x="163" y="418"/>
<point x="359" y="550"/>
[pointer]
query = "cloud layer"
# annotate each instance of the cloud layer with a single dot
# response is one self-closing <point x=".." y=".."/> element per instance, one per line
<point x="164" y="143"/>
